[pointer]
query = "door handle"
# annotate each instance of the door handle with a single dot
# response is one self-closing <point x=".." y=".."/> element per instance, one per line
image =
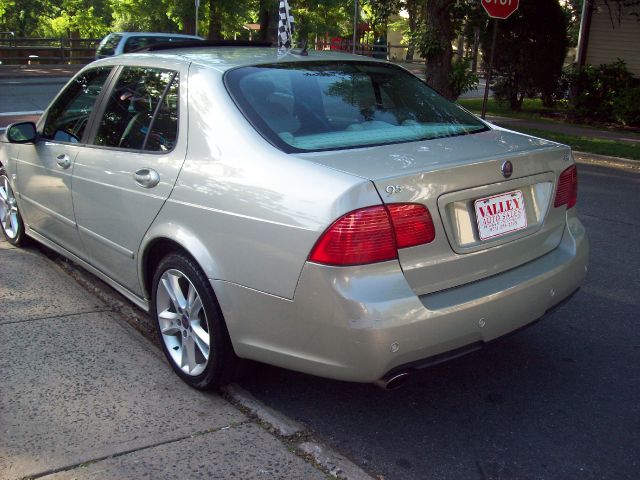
<point x="63" y="160"/>
<point x="147" y="177"/>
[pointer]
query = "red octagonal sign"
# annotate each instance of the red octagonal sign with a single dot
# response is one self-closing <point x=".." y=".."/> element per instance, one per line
<point x="500" y="8"/>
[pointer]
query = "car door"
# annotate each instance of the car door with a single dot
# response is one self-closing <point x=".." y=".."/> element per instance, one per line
<point x="121" y="181"/>
<point x="45" y="168"/>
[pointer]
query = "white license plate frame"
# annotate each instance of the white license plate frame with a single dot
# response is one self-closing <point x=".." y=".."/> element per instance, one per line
<point x="500" y="214"/>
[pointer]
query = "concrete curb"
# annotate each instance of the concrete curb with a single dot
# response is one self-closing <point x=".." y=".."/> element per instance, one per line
<point x="279" y="423"/>
<point x="332" y="462"/>
<point x="335" y="464"/>
<point x="594" y="158"/>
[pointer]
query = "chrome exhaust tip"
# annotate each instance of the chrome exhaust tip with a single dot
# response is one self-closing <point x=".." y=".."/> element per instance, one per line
<point x="394" y="381"/>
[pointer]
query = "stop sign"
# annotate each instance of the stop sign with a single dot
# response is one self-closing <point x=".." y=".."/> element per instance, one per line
<point x="500" y="8"/>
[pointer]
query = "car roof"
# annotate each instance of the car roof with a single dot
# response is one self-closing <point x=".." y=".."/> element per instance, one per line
<point x="227" y="57"/>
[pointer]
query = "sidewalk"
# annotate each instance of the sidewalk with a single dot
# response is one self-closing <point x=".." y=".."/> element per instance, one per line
<point x="83" y="395"/>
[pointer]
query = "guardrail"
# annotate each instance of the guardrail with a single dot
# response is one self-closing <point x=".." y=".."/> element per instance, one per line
<point x="23" y="51"/>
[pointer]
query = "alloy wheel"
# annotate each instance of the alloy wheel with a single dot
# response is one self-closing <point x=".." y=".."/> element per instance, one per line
<point x="8" y="209"/>
<point x="183" y="322"/>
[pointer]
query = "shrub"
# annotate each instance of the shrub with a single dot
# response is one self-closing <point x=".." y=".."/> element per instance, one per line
<point x="462" y="79"/>
<point x="626" y="106"/>
<point x="605" y="93"/>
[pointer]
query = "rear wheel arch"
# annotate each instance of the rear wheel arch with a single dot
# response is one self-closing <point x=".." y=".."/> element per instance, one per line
<point x="165" y="241"/>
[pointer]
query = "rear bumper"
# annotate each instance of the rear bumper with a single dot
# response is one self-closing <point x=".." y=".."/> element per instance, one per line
<point x="361" y="323"/>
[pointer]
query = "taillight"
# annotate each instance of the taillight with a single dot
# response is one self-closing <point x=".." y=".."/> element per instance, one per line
<point x="373" y="234"/>
<point x="412" y="224"/>
<point x="567" y="192"/>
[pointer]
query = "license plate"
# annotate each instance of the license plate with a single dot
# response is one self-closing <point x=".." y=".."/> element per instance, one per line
<point x="500" y="214"/>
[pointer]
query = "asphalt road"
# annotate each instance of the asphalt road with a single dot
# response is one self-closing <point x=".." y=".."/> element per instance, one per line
<point x="560" y="400"/>
<point x="28" y="95"/>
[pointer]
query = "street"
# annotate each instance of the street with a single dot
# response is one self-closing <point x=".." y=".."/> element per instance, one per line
<point x="559" y="400"/>
<point x="556" y="401"/>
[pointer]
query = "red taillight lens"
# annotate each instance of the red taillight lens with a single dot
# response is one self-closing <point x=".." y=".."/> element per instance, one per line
<point x="412" y="224"/>
<point x="362" y="236"/>
<point x="567" y="192"/>
<point x="373" y="234"/>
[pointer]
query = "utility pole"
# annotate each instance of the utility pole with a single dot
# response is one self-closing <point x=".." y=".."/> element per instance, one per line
<point x="355" y="25"/>
<point x="197" y="8"/>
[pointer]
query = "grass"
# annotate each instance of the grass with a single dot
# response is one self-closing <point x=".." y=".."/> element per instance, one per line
<point x="590" y="145"/>
<point x="532" y="109"/>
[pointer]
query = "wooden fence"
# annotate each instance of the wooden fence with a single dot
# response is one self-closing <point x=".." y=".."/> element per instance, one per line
<point x="52" y="51"/>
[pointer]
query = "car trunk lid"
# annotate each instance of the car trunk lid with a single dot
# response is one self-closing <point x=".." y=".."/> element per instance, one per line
<point x="459" y="179"/>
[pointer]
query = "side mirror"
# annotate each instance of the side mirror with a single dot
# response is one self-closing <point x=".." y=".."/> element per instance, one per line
<point x="23" y="132"/>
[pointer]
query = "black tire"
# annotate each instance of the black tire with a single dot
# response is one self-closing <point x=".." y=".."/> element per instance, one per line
<point x="12" y="227"/>
<point x="177" y="272"/>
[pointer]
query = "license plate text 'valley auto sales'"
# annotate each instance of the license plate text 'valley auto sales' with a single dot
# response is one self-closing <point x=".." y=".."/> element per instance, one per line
<point x="500" y="214"/>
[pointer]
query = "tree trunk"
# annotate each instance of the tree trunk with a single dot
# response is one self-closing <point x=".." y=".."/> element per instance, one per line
<point x="476" y="46"/>
<point x="412" y="10"/>
<point x="215" y="20"/>
<point x="268" y="20"/>
<point x="438" y="58"/>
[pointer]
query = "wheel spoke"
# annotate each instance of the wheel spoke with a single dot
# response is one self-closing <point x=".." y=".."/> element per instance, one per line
<point x="4" y="189"/>
<point x="195" y="307"/>
<point x="189" y="354"/>
<point x="202" y="341"/>
<point x="191" y="296"/>
<point x="172" y="287"/>
<point x="168" y="326"/>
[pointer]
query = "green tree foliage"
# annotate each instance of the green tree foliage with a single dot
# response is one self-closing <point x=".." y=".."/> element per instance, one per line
<point x="317" y="19"/>
<point x="530" y="52"/>
<point x="148" y="15"/>
<point x="21" y="16"/>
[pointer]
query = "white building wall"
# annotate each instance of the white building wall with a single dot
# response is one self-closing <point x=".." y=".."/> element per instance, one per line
<point x="612" y="37"/>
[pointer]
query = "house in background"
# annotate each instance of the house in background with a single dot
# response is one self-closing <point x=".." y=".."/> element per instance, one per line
<point x="608" y="31"/>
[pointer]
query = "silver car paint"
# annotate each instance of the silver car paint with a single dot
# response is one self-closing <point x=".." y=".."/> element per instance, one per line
<point x="45" y="191"/>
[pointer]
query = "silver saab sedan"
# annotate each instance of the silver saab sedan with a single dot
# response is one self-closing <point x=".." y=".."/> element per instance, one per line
<point x="320" y="212"/>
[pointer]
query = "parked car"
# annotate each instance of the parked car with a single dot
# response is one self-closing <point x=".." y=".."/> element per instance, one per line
<point x="125" y="42"/>
<point x="325" y="213"/>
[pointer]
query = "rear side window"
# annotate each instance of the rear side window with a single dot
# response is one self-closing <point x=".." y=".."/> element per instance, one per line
<point x="67" y="117"/>
<point x="108" y="46"/>
<point x="142" y="111"/>
<point x="311" y="106"/>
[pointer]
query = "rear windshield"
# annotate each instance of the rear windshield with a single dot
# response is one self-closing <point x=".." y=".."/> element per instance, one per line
<point x="312" y="106"/>
<point x="108" y="46"/>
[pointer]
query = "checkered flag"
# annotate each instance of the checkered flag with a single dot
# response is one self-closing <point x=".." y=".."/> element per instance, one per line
<point x="285" y="26"/>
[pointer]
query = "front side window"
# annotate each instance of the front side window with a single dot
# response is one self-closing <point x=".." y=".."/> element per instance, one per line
<point x="67" y="117"/>
<point x="142" y="111"/>
<point x="311" y="106"/>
